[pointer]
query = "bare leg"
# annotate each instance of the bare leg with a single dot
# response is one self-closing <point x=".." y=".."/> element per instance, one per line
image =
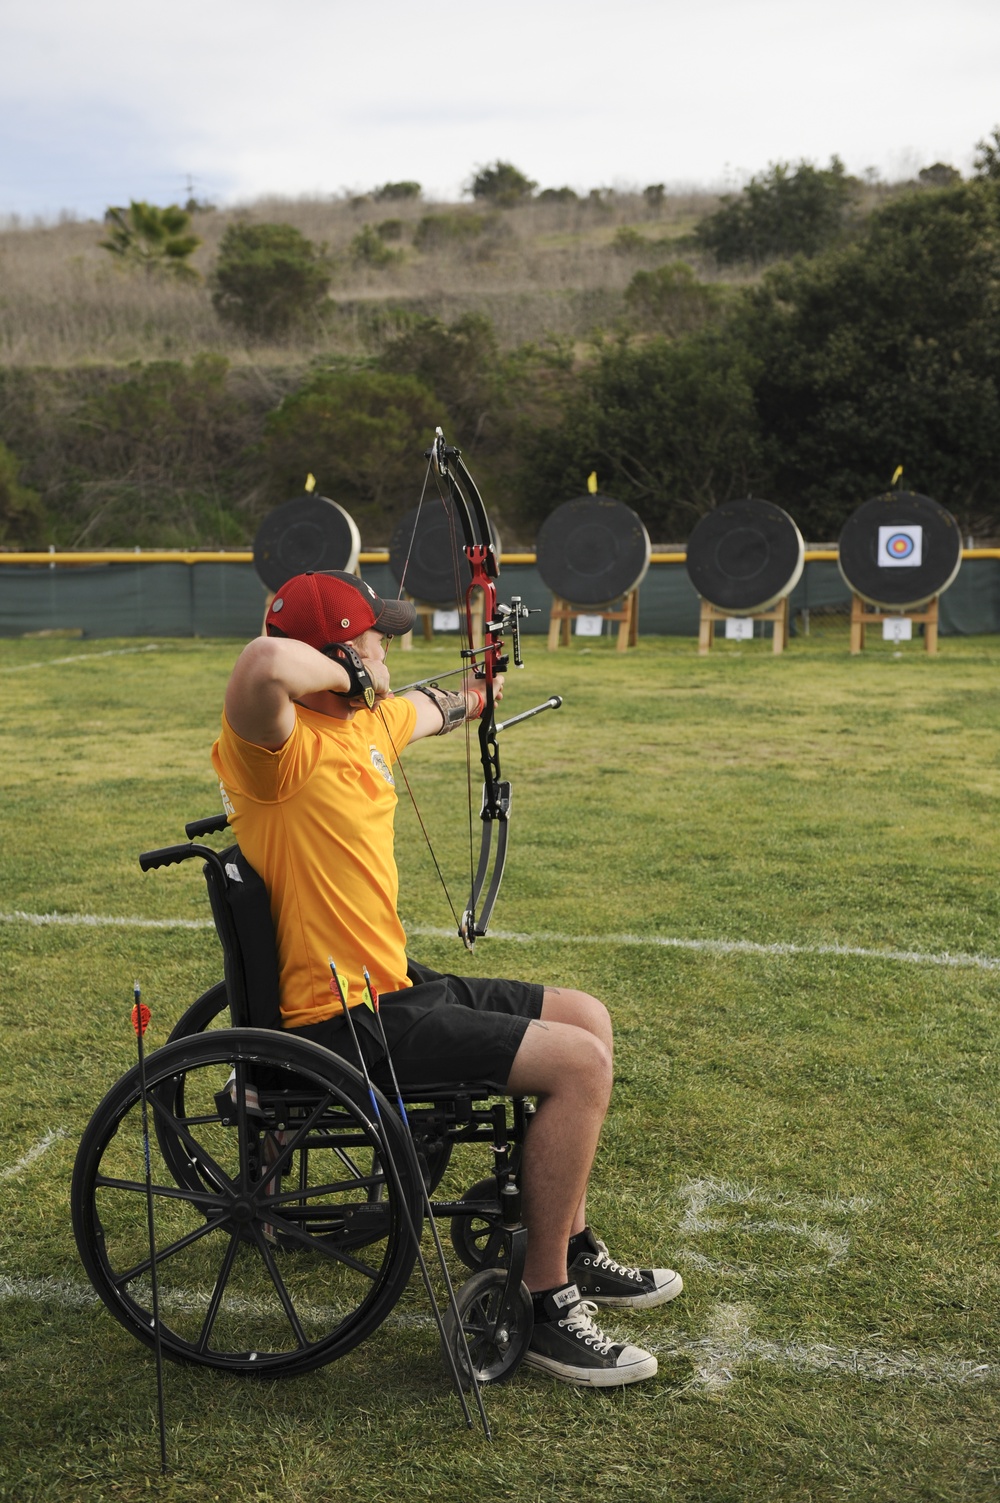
<point x="565" y="1060"/>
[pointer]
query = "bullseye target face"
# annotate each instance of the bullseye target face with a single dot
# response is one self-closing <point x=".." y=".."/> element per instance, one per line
<point x="745" y="556"/>
<point x="900" y="550"/>
<point x="901" y="547"/>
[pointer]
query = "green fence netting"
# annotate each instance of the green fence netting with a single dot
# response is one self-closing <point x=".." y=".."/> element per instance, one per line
<point x="227" y="600"/>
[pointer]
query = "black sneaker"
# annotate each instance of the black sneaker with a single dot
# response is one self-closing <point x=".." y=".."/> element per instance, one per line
<point x="601" y="1279"/>
<point x="572" y="1348"/>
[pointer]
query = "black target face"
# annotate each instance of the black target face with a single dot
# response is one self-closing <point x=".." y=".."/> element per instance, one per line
<point x="426" y="558"/>
<point x="900" y="550"/>
<point x="310" y="532"/>
<point x="592" y="551"/>
<point x="745" y="556"/>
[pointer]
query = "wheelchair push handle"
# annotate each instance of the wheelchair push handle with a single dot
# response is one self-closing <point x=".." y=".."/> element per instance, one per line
<point x="170" y="855"/>
<point x="213" y="825"/>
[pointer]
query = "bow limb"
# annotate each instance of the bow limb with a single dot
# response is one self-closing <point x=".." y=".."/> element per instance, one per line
<point x="486" y="661"/>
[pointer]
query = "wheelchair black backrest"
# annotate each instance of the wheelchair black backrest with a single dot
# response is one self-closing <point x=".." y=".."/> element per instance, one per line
<point x="242" y="912"/>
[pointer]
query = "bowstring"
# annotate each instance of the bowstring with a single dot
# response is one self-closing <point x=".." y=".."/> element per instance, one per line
<point x="451" y="512"/>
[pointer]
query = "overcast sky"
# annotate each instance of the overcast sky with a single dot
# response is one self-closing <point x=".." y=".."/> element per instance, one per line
<point x="107" y="100"/>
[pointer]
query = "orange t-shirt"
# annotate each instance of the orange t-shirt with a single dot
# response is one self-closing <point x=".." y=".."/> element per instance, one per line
<point x="315" y="820"/>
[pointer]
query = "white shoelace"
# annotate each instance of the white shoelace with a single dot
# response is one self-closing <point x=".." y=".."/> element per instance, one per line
<point x="580" y="1322"/>
<point x="605" y="1260"/>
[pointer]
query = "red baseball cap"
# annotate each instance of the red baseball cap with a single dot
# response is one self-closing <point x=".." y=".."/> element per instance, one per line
<point x="333" y="606"/>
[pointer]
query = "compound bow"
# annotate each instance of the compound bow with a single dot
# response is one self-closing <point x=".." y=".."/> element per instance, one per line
<point x="485" y="662"/>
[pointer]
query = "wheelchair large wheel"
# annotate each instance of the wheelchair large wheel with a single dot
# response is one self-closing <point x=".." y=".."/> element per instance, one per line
<point x="288" y="1244"/>
<point x="433" y="1151"/>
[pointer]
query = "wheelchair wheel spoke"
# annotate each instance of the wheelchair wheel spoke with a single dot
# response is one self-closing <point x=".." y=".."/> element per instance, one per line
<point x="221" y="1282"/>
<point x="164" y="1253"/>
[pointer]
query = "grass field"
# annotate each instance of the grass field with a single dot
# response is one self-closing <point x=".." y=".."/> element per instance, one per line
<point x="779" y="873"/>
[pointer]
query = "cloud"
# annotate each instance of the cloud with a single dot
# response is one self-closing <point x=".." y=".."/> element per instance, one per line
<point x="113" y="100"/>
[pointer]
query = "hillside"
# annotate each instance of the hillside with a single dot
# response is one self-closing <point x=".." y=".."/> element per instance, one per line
<point x="543" y="268"/>
<point x="835" y="332"/>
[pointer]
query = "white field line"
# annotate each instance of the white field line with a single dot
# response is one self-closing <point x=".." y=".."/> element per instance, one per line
<point x="33" y="1153"/>
<point x="728" y="1345"/>
<point x="783" y="1214"/>
<point x="547" y="937"/>
<point x="99" y="921"/>
<point x="82" y="657"/>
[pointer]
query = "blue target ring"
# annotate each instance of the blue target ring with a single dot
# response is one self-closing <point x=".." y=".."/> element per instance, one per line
<point x="900" y="545"/>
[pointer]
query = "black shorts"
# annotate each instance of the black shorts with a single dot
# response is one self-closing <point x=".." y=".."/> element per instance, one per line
<point x="442" y="1030"/>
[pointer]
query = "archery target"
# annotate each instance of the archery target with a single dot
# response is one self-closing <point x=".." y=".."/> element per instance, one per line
<point x="900" y="550"/>
<point x="745" y="556"/>
<point x="310" y="532"/>
<point x="592" y="551"/>
<point x="900" y="547"/>
<point x="425" y="554"/>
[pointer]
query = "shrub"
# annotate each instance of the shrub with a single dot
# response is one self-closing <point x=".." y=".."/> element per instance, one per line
<point x="939" y="175"/>
<point x="269" y="279"/>
<point x="391" y="192"/>
<point x="390" y="229"/>
<point x="502" y="184"/>
<point x="457" y="362"/>
<point x="671" y="299"/>
<point x="654" y="195"/>
<point x="368" y="248"/>
<point x="669" y="428"/>
<point x="987" y="159"/>
<point x="157" y="240"/>
<point x="558" y="196"/>
<point x="781" y="214"/>
<point x="628" y="242"/>
<point x="436" y="231"/>
<point x="362" y="434"/>
<point x="22" y="519"/>
<point x="885" y="352"/>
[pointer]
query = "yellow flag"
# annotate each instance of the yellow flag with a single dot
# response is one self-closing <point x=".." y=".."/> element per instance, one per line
<point x="592" y="482"/>
<point x="310" y="482"/>
<point x="896" y="474"/>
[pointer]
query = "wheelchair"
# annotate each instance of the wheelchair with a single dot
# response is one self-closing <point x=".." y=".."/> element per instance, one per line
<point x="288" y="1194"/>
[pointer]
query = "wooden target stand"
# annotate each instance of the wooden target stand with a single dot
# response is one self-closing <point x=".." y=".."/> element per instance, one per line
<point x="627" y="616"/>
<point x="863" y="615"/>
<point x="710" y="614"/>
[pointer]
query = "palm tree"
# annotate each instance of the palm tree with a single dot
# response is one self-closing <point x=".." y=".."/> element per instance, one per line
<point x="155" y="239"/>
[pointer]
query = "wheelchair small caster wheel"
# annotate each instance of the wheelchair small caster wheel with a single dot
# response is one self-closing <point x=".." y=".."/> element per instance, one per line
<point x="497" y="1330"/>
<point x="477" y="1241"/>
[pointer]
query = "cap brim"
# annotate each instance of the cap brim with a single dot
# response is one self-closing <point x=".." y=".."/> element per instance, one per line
<point x="396" y="617"/>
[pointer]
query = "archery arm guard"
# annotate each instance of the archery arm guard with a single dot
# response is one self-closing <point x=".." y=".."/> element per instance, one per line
<point x="361" y="686"/>
<point x="454" y="706"/>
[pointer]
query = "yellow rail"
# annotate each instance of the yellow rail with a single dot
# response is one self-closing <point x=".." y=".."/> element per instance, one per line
<point x="375" y="556"/>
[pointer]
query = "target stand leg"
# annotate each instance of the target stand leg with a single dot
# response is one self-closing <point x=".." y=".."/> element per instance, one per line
<point x="710" y="614"/>
<point x="627" y="616"/>
<point x="862" y="617"/>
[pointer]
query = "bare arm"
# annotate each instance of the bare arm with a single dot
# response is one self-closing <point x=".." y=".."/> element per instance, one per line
<point x="271" y="673"/>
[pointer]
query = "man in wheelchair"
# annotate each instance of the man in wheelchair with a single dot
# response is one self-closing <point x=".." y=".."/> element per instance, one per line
<point x="310" y="733"/>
